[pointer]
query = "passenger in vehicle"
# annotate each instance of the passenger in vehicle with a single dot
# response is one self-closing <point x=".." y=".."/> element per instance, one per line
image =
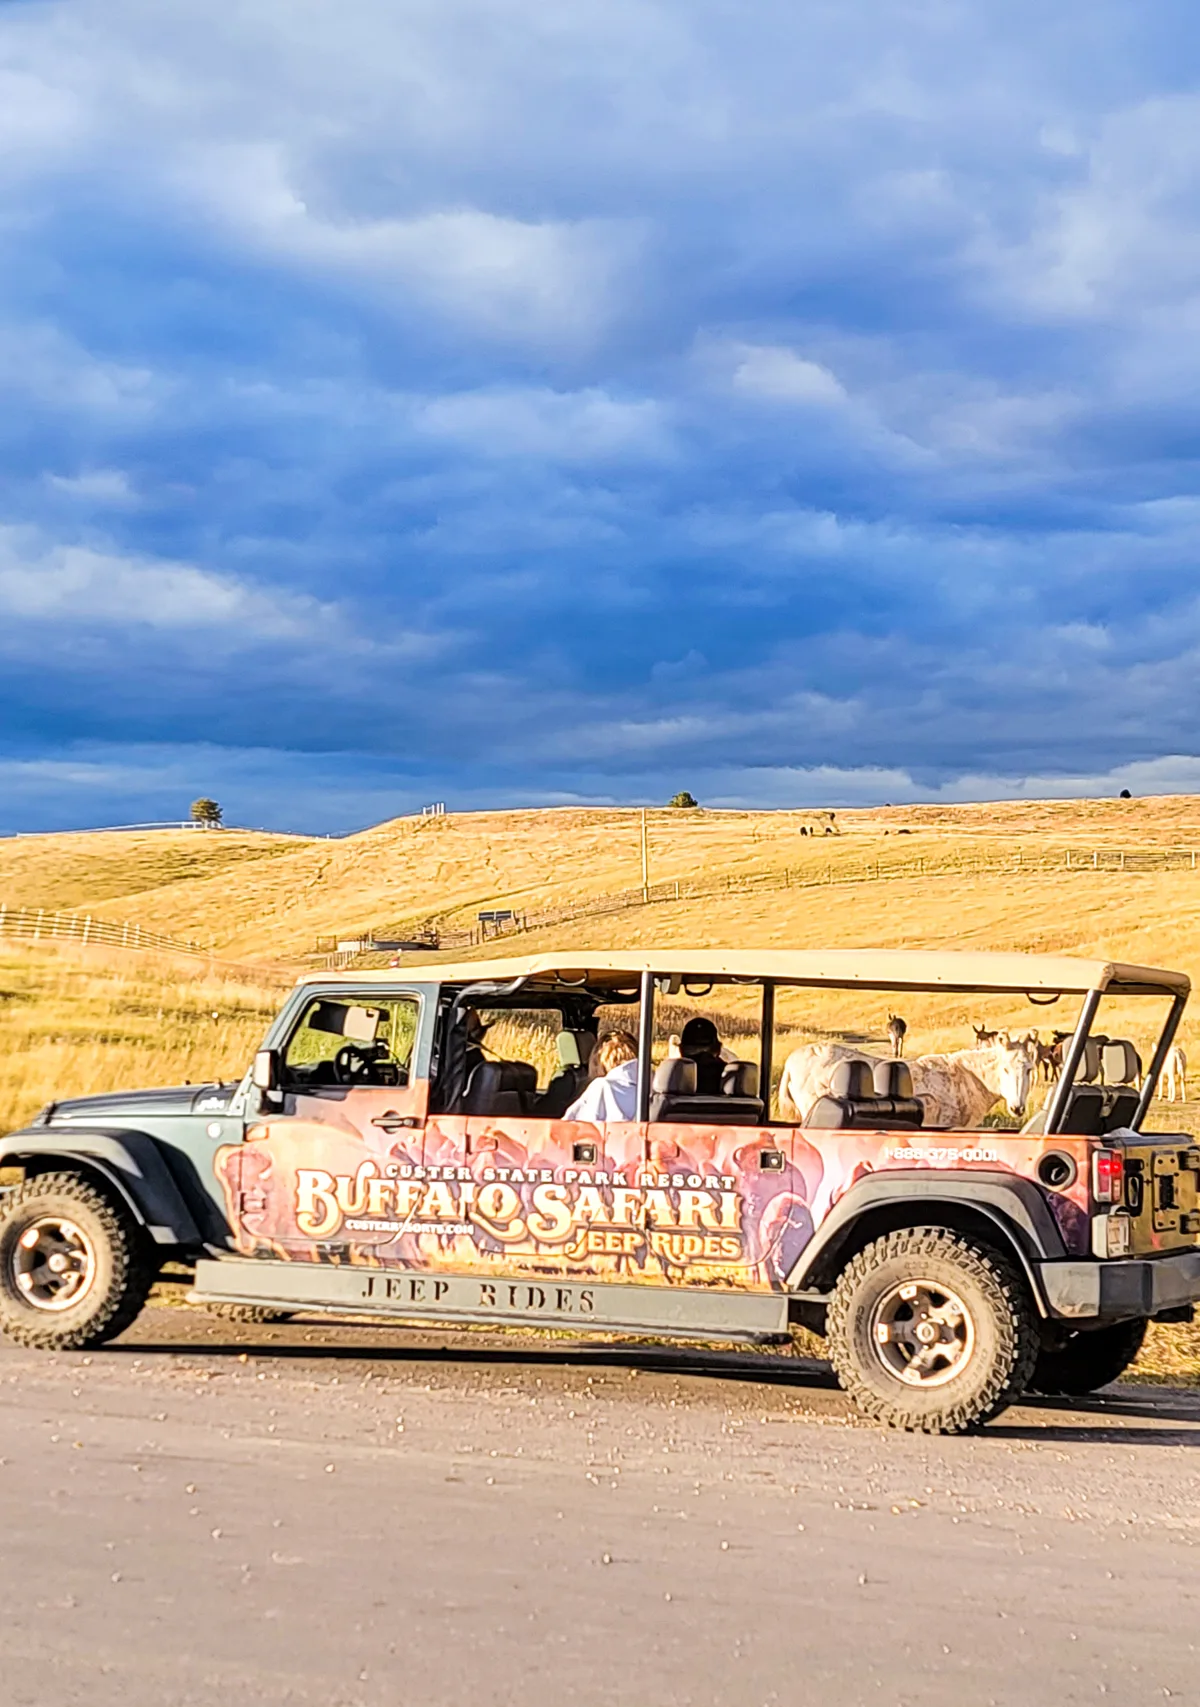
<point x="614" y="1095"/>
<point x="700" y="1042"/>
<point x="475" y="1031"/>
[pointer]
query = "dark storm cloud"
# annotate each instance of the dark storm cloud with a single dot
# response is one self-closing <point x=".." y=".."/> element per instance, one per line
<point x="471" y="401"/>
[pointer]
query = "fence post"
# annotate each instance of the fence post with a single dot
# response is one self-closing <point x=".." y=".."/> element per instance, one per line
<point x="37" y="929"/>
<point x="87" y="930"/>
<point x="1068" y="859"/>
<point x="3" y="915"/>
<point x="1095" y="859"/>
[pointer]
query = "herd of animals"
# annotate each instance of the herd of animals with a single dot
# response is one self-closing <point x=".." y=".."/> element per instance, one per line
<point x="960" y="1087"/>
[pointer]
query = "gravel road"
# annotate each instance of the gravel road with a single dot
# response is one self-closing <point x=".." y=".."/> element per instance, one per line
<point x="364" y="1517"/>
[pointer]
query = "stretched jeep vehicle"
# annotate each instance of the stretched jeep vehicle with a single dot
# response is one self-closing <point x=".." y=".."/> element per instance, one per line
<point x="381" y="1157"/>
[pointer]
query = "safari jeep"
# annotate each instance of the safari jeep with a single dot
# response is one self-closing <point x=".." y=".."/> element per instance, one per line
<point x="403" y="1146"/>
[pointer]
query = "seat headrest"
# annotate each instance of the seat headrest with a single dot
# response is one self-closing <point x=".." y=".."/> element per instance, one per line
<point x="517" y="1075"/>
<point x="484" y="1088"/>
<point x="851" y="1081"/>
<point x="575" y="1048"/>
<point x="893" y="1079"/>
<point x="740" y="1079"/>
<point x="675" y="1077"/>
<point x="1119" y="1062"/>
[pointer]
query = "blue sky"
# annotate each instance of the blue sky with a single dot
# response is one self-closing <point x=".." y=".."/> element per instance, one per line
<point x="501" y="403"/>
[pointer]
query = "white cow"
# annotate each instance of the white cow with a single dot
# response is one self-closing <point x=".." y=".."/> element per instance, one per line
<point x="1175" y="1074"/>
<point x="957" y="1090"/>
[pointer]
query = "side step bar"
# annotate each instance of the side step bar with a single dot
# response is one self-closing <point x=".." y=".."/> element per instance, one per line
<point x="424" y="1296"/>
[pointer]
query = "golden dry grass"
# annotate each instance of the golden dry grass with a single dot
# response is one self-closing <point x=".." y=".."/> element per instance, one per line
<point x="262" y="896"/>
<point x="99" y="869"/>
<point x="76" y="1020"/>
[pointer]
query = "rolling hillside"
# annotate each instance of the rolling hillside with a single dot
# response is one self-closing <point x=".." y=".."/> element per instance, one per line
<point x="949" y="876"/>
<point x="269" y="897"/>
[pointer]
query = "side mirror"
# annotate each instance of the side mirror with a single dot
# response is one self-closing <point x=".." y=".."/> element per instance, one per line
<point x="266" y="1070"/>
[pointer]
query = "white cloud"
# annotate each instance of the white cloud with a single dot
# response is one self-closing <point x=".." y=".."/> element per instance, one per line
<point x="77" y="586"/>
<point x="584" y="426"/>
<point x="537" y="280"/>
<point x="1122" y="235"/>
<point x="780" y="374"/>
<point x="39" y="121"/>
<point x="42" y="364"/>
<point x="95" y="486"/>
<point x="869" y="785"/>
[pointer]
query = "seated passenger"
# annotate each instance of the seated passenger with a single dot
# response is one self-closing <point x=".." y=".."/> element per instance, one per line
<point x="614" y="1096"/>
<point x="700" y="1042"/>
<point x="474" y="1031"/>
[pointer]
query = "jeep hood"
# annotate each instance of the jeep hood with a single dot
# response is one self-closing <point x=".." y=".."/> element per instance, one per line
<point x="119" y="1108"/>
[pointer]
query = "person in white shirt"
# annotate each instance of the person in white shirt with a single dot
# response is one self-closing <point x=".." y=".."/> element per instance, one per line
<point x="613" y="1095"/>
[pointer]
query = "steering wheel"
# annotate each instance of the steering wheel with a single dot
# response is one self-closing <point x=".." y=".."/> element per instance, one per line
<point x="353" y="1064"/>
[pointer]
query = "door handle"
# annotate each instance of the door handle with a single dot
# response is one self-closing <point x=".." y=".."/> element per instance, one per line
<point x="390" y="1121"/>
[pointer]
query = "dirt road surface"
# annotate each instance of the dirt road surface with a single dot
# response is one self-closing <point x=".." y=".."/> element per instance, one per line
<point x="364" y="1517"/>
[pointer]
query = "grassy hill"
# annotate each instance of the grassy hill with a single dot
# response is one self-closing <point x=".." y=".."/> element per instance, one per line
<point x="107" y="867"/>
<point x="952" y="879"/>
<point x="269" y="897"/>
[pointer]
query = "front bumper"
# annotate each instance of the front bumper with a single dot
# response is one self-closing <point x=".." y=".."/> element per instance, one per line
<point x="1117" y="1289"/>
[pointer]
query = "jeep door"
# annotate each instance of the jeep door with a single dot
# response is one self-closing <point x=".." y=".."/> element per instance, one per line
<point x="322" y="1173"/>
<point x="725" y="1205"/>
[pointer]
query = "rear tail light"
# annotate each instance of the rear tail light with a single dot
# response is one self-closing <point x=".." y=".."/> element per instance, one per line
<point x="1108" y="1176"/>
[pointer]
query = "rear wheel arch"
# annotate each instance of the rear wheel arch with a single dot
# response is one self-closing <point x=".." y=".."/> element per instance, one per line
<point x="829" y="1255"/>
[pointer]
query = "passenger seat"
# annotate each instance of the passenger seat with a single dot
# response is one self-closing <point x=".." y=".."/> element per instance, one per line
<point x="1120" y="1063"/>
<point x="674" y="1097"/>
<point x="574" y="1053"/>
<point x="1093" y="1111"/>
<point x="501" y="1087"/>
<point x="862" y="1100"/>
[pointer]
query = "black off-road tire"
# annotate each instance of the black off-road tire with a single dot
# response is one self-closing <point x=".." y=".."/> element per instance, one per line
<point x="1005" y="1345"/>
<point x="255" y="1315"/>
<point x="1089" y="1359"/>
<point x="123" y="1264"/>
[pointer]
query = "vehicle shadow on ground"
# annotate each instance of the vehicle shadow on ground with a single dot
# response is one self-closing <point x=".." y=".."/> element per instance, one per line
<point x="1096" y="1418"/>
<point x="781" y="1370"/>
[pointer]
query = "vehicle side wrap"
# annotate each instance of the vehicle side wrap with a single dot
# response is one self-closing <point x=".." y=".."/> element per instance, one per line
<point x="361" y="1176"/>
<point x="1015" y="1207"/>
<point x="130" y="1161"/>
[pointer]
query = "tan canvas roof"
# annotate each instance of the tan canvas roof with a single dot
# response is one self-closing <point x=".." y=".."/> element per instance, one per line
<point x="871" y="968"/>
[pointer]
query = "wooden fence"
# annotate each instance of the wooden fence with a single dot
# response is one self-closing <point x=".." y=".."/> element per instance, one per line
<point x="878" y="870"/>
<point x="830" y="873"/>
<point x="43" y="924"/>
